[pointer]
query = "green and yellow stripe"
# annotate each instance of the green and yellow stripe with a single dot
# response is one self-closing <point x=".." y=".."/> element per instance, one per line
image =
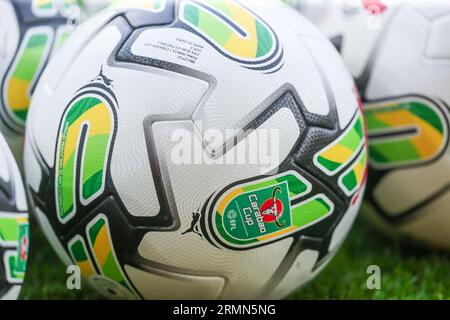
<point x="26" y="68"/>
<point x="10" y="228"/>
<point x="104" y="263"/>
<point x="406" y="131"/>
<point x="248" y="37"/>
<point x="44" y="8"/>
<point x="335" y="157"/>
<point x="97" y="117"/>
<point x="102" y="248"/>
<point x="351" y="180"/>
<point x="80" y="256"/>
<point x="44" y="4"/>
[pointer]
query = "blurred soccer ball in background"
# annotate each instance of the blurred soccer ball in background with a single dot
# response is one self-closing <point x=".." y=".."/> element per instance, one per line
<point x="399" y="53"/>
<point x="102" y="171"/>
<point x="30" y="32"/>
<point x="14" y="228"/>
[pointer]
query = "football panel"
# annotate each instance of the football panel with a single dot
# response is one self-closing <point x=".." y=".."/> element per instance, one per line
<point x="157" y="284"/>
<point x="301" y="272"/>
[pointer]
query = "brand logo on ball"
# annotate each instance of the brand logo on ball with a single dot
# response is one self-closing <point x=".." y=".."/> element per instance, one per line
<point x="235" y="31"/>
<point x="257" y="213"/>
<point x="272" y="209"/>
<point x="265" y="210"/>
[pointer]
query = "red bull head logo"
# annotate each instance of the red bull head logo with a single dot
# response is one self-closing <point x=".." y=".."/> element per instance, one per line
<point x="272" y="210"/>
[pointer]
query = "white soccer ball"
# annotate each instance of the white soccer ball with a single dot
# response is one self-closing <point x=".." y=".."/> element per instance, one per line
<point x="197" y="149"/>
<point x="30" y="33"/>
<point x="14" y="227"/>
<point x="399" y="54"/>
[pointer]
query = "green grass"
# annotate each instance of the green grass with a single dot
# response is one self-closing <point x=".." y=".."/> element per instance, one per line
<point x="407" y="273"/>
<point x="46" y="274"/>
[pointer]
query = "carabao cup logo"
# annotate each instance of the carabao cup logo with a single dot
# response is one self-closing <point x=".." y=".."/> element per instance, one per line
<point x="235" y="31"/>
<point x="262" y="211"/>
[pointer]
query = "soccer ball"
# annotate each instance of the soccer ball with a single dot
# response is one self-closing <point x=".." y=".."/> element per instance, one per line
<point x="30" y="32"/>
<point x="149" y="174"/>
<point x="14" y="228"/>
<point x="398" y="54"/>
